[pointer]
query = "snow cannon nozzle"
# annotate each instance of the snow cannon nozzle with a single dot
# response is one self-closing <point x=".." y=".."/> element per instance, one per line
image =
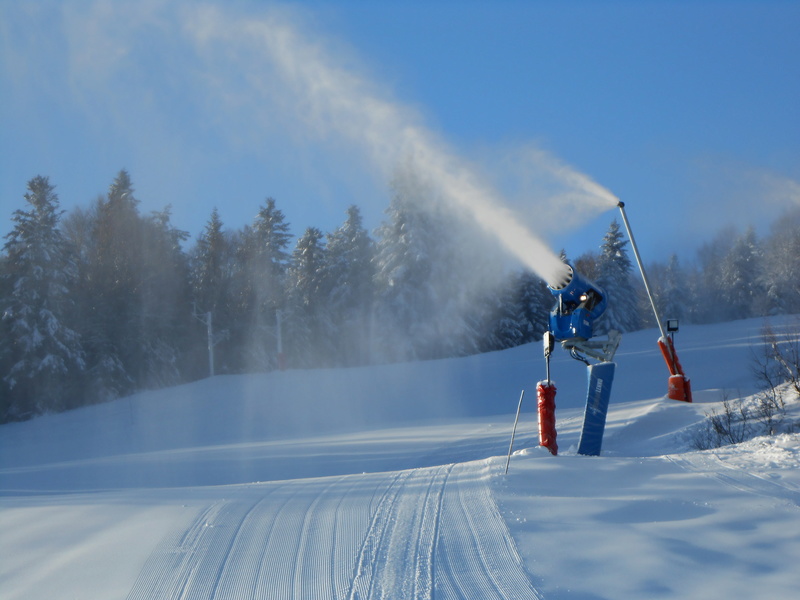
<point x="578" y="292"/>
<point x="620" y="204"/>
<point x="568" y="275"/>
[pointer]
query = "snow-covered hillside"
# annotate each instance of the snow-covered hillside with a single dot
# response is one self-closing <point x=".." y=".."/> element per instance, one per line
<point x="387" y="482"/>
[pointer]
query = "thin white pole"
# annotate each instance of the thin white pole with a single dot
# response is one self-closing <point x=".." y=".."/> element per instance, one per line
<point x="514" y="431"/>
<point x="210" y="333"/>
<point x="279" y="324"/>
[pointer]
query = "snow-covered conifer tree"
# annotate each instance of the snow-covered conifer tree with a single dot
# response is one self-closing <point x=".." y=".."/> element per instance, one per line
<point x="535" y="302"/>
<point x="675" y="295"/>
<point x="615" y="277"/>
<point x="213" y="266"/>
<point x="258" y="287"/>
<point x="411" y="252"/>
<point x="165" y="302"/>
<point x="209" y="268"/>
<point x="349" y="271"/>
<point x="43" y="352"/>
<point x="516" y="312"/>
<point x="782" y="265"/>
<point x="431" y="270"/>
<point x="502" y="322"/>
<point x="113" y="281"/>
<point x="741" y="277"/>
<point x="308" y="325"/>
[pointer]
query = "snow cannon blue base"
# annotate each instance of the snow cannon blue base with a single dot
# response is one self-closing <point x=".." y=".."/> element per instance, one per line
<point x="601" y="376"/>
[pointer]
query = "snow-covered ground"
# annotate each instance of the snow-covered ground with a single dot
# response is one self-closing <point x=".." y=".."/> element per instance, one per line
<point x="387" y="482"/>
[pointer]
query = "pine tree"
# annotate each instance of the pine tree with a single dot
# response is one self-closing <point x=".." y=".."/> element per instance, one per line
<point x="534" y="301"/>
<point x="515" y="312"/>
<point x="349" y="272"/>
<point x="741" y="277"/>
<point x="209" y="268"/>
<point x="309" y="330"/>
<point x="44" y="354"/>
<point x="615" y="277"/>
<point x="114" y="285"/>
<point x="407" y="247"/>
<point x="675" y="294"/>
<point x="431" y="272"/>
<point x="782" y="265"/>
<point x="501" y="320"/>
<point x="588" y="265"/>
<point x="258" y="287"/>
<point x="6" y="357"/>
<point x="213" y="267"/>
<point x="711" y="293"/>
<point x="165" y="302"/>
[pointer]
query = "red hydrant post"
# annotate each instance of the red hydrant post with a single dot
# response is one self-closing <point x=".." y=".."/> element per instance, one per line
<point x="546" y="400"/>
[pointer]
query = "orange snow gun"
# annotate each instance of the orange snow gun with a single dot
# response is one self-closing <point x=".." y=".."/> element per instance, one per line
<point x="679" y="386"/>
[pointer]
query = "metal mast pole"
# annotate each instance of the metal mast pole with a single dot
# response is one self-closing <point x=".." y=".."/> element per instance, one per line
<point x="621" y="206"/>
<point x="679" y="385"/>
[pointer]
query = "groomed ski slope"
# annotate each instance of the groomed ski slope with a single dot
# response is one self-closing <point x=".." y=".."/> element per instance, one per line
<point x="387" y="482"/>
<point x="384" y="535"/>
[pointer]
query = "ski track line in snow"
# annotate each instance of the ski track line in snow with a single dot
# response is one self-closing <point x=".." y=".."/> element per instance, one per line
<point x="188" y="564"/>
<point x="476" y="555"/>
<point x="368" y="554"/>
<point x="743" y="481"/>
<point x="430" y="533"/>
<point x="397" y="558"/>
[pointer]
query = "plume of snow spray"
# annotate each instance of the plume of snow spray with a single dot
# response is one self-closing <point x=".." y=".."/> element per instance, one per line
<point x="335" y="101"/>
<point x="259" y="74"/>
<point x="580" y="190"/>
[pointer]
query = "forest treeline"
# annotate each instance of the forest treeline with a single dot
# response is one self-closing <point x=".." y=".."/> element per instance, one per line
<point x="104" y="301"/>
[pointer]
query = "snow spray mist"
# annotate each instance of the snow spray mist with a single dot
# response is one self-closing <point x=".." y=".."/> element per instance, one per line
<point x="334" y="101"/>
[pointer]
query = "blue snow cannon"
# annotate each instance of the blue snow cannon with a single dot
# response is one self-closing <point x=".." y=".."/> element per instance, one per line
<point x="578" y="303"/>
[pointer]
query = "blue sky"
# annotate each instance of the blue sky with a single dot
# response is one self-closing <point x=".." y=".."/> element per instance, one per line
<point x="689" y="111"/>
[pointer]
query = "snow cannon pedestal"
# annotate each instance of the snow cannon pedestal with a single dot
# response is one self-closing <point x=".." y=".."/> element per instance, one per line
<point x="601" y="376"/>
<point x="679" y="386"/>
<point x="546" y="401"/>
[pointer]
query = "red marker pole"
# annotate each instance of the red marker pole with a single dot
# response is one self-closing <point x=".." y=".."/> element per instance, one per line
<point x="546" y="401"/>
<point x="546" y="397"/>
